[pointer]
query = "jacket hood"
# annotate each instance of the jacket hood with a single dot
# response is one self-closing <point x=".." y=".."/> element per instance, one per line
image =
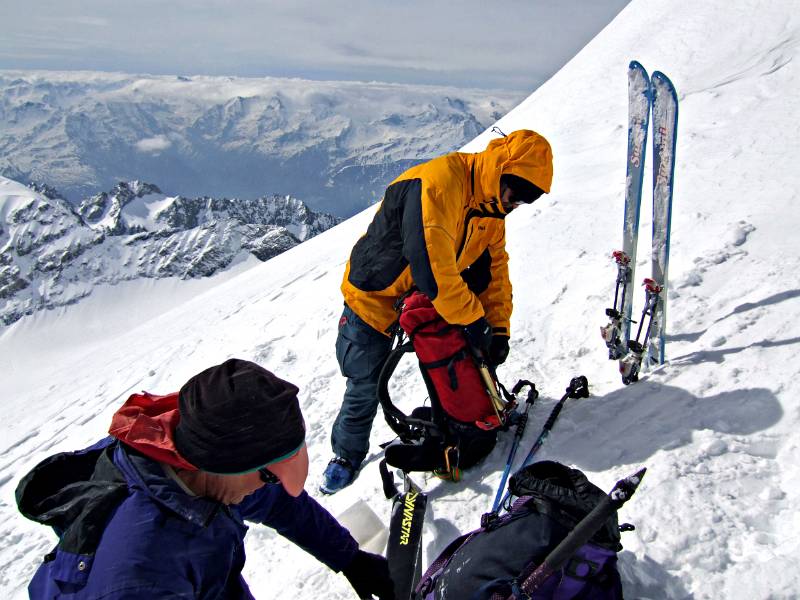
<point x="70" y="492"/>
<point x="147" y="423"/>
<point x="523" y="153"/>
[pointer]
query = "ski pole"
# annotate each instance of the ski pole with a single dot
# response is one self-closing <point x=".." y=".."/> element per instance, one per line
<point x="578" y="388"/>
<point x="518" y="432"/>
<point x="580" y="535"/>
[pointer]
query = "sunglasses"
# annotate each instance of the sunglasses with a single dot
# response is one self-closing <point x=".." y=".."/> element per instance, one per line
<point x="268" y="476"/>
<point x="529" y="199"/>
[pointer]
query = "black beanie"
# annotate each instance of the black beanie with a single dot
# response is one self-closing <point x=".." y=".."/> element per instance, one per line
<point x="237" y="417"/>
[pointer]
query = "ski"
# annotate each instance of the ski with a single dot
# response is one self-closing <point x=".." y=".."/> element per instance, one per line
<point x="404" y="546"/>
<point x="665" y="128"/>
<point x="617" y="332"/>
<point x="650" y="351"/>
<point x="645" y="95"/>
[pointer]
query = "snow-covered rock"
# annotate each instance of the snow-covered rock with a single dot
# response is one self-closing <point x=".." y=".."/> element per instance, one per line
<point x="53" y="254"/>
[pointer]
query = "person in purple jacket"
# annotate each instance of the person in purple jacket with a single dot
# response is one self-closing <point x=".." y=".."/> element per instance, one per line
<point x="158" y="509"/>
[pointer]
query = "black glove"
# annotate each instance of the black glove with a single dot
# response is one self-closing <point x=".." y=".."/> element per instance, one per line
<point x="479" y="334"/>
<point x="369" y="576"/>
<point x="498" y="350"/>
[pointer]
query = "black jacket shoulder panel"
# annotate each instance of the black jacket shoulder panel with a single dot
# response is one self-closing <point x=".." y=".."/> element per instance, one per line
<point x="415" y="250"/>
<point x="478" y="275"/>
<point x="393" y="239"/>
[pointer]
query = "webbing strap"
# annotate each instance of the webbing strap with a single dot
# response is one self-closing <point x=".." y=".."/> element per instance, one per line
<point x="439" y="332"/>
<point x="448" y="362"/>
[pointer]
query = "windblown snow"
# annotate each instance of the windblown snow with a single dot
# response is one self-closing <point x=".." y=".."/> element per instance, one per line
<point x="716" y="515"/>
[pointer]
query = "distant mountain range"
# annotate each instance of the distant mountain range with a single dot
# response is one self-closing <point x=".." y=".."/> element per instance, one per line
<point x="53" y="253"/>
<point x="336" y="145"/>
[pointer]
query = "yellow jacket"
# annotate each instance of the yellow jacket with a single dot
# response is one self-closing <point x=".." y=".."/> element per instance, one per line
<point x="441" y="228"/>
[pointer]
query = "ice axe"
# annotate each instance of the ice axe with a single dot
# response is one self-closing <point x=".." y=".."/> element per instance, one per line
<point x="580" y="535"/>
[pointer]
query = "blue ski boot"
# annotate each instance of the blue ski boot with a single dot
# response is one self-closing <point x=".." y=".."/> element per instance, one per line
<point x="338" y="475"/>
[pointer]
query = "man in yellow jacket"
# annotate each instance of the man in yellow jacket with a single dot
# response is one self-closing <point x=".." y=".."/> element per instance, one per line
<point x="441" y="229"/>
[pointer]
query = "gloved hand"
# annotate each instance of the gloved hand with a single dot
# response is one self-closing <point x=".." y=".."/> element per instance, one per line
<point x="479" y="334"/>
<point x="369" y="576"/>
<point x="498" y="350"/>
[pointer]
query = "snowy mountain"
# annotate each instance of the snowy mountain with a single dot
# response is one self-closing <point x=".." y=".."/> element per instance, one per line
<point x="54" y="254"/>
<point x="716" y="515"/>
<point x="334" y="144"/>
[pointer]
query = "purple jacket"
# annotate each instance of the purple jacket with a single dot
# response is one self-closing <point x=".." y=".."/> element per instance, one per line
<point x="127" y="530"/>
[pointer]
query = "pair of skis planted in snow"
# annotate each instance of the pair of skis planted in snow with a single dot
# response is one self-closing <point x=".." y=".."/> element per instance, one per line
<point x="645" y="95"/>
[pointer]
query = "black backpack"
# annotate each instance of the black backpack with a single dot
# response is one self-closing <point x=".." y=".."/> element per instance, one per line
<point x="492" y="561"/>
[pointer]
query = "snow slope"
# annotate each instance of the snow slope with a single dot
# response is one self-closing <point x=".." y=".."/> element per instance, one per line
<point x="716" y="426"/>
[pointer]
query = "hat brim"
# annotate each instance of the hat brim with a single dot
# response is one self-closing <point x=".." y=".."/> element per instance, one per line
<point x="292" y="471"/>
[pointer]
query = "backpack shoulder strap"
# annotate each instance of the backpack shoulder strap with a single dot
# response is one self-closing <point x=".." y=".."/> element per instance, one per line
<point x="406" y="427"/>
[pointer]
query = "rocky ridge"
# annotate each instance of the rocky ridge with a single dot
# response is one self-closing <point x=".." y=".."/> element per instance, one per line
<point x="53" y="254"/>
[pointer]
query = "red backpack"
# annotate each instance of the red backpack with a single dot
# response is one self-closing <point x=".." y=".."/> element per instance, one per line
<point x="446" y="358"/>
<point x="460" y="426"/>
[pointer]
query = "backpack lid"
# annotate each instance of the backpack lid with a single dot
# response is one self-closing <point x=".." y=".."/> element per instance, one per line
<point x="567" y="495"/>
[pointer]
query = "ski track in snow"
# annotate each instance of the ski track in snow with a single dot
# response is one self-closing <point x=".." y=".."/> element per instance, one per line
<point x="716" y="425"/>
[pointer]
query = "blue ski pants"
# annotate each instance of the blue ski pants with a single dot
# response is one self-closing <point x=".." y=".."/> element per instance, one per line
<point x="360" y="350"/>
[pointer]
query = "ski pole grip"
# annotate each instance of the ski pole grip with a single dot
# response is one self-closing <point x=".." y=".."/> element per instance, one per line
<point x="554" y="415"/>
<point x="533" y="394"/>
<point x="578" y="387"/>
<point x="521" y="424"/>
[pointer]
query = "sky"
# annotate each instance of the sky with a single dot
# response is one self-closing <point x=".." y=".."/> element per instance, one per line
<point x="509" y="44"/>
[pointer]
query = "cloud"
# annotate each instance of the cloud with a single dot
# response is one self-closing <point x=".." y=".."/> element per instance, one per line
<point x="517" y="44"/>
<point x="153" y="144"/>
<point x="87" y="20"/>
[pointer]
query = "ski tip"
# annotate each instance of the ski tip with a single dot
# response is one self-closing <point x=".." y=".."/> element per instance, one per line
<point x="658" y="78"/>
<point x="635" y="64"/>
<point x="409" y="485"/>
